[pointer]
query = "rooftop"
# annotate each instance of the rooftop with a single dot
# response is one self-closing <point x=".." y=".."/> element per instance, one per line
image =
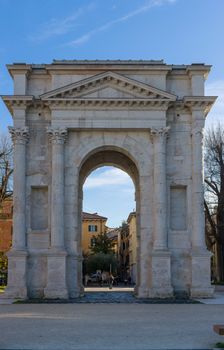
<point x="93" y="216"/>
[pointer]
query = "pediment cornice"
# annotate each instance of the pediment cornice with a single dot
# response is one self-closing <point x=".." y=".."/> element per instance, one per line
<point x="108" y="79"/>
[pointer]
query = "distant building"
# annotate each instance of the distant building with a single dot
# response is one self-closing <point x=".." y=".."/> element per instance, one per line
<point x="128" y="248"/>
<point x="132" y="246"/>
<point x="6" y="210"/>
<point x="114" y="235"/>
<point x="124" y="252"/>
<point x="92" y="225"/>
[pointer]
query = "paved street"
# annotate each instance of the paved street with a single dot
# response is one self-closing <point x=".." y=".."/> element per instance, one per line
<point x="109" y="326"/>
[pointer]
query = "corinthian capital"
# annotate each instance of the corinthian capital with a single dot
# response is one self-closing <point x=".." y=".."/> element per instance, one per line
<point x="159" y="134"/>
<point x="197" y="131"/>
<point x="19" y="135"/>
<point x="57" y="135"/>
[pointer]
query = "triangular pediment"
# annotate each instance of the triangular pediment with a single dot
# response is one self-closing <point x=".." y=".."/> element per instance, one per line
<point x="108" y="85"/>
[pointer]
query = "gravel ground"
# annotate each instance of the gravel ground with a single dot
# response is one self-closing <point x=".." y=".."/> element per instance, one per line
<point x="109" y="326"/>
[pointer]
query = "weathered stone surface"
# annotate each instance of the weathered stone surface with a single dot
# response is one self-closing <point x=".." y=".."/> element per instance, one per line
<point x="146" y="118"/>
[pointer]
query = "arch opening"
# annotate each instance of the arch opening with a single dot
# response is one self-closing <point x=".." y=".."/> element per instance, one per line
<point x="102" y="171"/>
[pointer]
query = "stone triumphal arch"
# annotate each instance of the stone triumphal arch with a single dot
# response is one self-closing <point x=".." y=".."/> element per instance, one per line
<point x="145" y="117"/>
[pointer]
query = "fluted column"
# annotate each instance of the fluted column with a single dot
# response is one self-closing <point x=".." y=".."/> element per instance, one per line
<point x="57" y="139"/>
<point x="200" y="257"/>
<point x="56" y="263"/>
<point x="160" y="257"/>
<point x="198" y="220"/>
<point x="17" y="256"/>
<point x="160" y="197"/>
<point x="20" y="138"/>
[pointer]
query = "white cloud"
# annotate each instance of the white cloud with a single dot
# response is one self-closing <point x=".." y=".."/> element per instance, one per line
<point x="87" y="36"/>
<point x="56" y="26"/>
<point x="215" y="88"/>
<point x="109" y="177"/>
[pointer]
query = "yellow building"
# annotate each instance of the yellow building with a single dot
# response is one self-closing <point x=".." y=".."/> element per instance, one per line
<point x="132" y="246"/>
<point x="114" y="235"/>
<point x="92" y="225"/>
<point x="124" y="252"/>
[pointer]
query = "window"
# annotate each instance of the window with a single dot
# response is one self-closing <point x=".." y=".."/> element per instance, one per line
<point x="92" y="228"/>
<point x="92" y="242"/>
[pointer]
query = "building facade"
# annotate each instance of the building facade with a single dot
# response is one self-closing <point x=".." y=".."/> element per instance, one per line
<point x="124" y="257"/>
<point x="145" y="117"/>
<point x="6" y="212"/>
<point x="92" y="225"/>
<point x="132" y="246"/>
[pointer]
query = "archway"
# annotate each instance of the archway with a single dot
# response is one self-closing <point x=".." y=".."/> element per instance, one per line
<point x="96" y="113"/>
<point x="116" y="158"/>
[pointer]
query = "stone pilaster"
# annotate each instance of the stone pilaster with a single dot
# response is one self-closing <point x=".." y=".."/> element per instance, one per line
<point x="201" y="285"/>
<point x="17" y="256"/>
<point x="160" y="198"/>
<point x="56" y="283"/>
<point x="198" y="220"/>
<point x="20" y="138"/>
<point x="161" y="266"/>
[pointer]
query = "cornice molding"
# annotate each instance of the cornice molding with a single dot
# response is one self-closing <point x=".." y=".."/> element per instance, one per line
<point x="204" y="103"/>
<point x="17" y="101"/>
<point x="187" y="104"/>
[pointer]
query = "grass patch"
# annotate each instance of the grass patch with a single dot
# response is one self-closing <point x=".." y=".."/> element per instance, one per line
<point x="219" y="345"/>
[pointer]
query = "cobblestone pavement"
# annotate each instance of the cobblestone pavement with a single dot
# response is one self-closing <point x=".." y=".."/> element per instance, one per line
<point x="112" y="297"/>
<point x="124" y="297"/>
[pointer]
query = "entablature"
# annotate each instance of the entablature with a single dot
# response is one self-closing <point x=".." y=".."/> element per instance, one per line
<point x="109" y="91"/>
<point x="203" y="103"/>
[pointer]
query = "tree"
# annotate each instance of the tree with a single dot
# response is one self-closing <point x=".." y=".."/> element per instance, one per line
<point x="102" y="244"/>
<point x="100" y="261"/>
<point x="6" y="168"/>
<point x="3" y="269"/>
<point x="214" y="194"/>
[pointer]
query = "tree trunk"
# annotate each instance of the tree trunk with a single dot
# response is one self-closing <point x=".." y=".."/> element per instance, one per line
<point x="220" y="262"/>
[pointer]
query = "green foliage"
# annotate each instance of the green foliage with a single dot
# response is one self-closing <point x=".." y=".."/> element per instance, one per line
<point x="219" y="345"/>
<point x="102" y="244"/>
<point x="101" y="262"/>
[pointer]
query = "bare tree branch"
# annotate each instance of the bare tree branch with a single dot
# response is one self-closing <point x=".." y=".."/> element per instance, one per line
<point x="214" y="193"/>
<point x="6" y="168"/>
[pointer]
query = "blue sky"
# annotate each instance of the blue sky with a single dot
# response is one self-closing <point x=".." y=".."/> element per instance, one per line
<point x="178" y="31"/>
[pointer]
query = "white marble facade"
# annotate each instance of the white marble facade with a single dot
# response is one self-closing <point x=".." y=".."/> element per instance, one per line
<point x="71" y="117"/>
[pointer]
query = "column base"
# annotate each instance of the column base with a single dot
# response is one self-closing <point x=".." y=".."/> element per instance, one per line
<point x="57" y="293"/>
<point x="141" y="292"/>
<point x="17" y="273"/>
<point x="56" y="275"/>
<point x="14" y="293"/>
<point x="202" y="293"/>
<point x="201" y="274"/>
<point x="74" y="276"/>
<point x="161" y="275"/>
